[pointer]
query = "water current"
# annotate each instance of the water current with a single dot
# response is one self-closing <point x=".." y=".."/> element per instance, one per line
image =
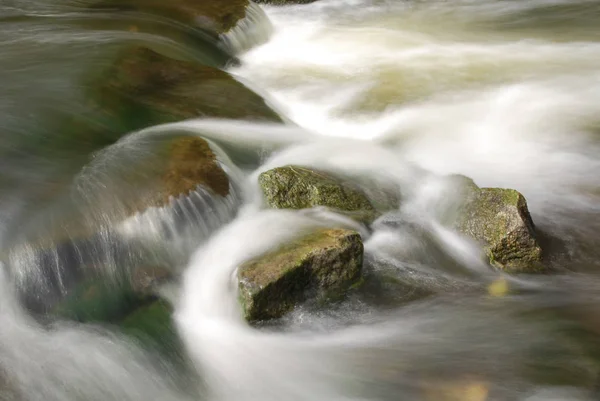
<point x="394" y="94"/>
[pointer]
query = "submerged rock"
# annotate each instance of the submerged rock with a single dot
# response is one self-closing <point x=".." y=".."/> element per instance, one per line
<point x="221" y="15"/>
<point x="181" y="165"/>
<point x="130" y="308"/>
<point x="295" y="187"/>
<point x="153" y="327"/>
<point x="144" y="88"/>
<point x="499" y="219"/>
<point x="323" y="264"/>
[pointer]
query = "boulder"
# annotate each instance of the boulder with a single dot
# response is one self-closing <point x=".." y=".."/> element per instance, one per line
<point x="499" y="220"/>
<point x="322" y="264"/>
<point x="99" y="300"/>
<point x="221" y="15"/>
<point x="295" y="187"/>
<point x="169" y="169"/>
<point x="142" y="88"/>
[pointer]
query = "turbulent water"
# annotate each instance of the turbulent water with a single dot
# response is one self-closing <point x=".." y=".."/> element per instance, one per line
<point x="395" y="94"/>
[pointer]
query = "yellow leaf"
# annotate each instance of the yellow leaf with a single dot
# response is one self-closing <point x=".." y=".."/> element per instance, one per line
<point x="460" y="390"/>
<point x="498" y="288"/>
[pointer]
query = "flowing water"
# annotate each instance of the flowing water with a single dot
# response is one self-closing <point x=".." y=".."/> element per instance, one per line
<point x="393" y="94"/>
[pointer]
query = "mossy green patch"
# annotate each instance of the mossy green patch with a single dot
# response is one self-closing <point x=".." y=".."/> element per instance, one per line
<point x="152" y="325"/>
<point x="99" y="301"/>
<point x="143" y="317"/>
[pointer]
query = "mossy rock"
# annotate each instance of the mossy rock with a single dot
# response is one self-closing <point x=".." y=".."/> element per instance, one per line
<point x="221" y="15"/>
<point x="322" y="264"/>
<point x="499" y="220"/>
<point x="295" y="187"/>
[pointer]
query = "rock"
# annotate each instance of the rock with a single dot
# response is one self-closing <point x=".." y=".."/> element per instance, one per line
<point x="323" y="264"/>
<point x="221" y="15"/>
<point x="131" y="309"/>
<point x="176" y="167"/>
<point x="141" y="89"/>
<point x="499" y="219"/>
<point x="144" y="88"/>
<point x="145" y="279"/>
<point x="295" y="187"/>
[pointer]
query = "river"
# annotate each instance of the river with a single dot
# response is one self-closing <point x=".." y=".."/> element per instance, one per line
<point x="401" y="93"/>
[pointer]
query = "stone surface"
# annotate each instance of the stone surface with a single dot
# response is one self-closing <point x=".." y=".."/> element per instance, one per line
<point x="184" y="163"/>
<point x="323" y="264"/>
<point x="295" y="187"/>
<point x="144" y="88"/>
<point x="499" y="220"/>
<point x="221" y="15"/>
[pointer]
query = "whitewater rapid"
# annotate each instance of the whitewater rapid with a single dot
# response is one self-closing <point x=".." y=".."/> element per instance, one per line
<point x="390" y="100"/>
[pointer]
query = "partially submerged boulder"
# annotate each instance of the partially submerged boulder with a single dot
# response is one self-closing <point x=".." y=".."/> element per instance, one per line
<point x="173" y="168"/>
<point x="295" y="187"/>
<point x="221" y="15"/>
<point x="130" y="308"/>
<point x="144" y="88"/>
<point x="323" y="263"/>
<point x="499" y="220"/>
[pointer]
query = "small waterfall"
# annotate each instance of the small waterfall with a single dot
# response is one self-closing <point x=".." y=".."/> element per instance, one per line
<point x="254" y="30"/>
<point x="95" y="233"/>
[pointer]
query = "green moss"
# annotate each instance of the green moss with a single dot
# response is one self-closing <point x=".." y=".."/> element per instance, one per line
<point x="294" y="187"/>
<point x="99" y="300"/>
<point x="152" y="325"/>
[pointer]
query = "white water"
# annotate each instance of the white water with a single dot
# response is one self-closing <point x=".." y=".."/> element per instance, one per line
<point x="412" y="101"/>
<point x="396" y="95"/>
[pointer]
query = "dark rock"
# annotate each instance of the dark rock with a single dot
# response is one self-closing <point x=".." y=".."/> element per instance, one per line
<point x="324" y="263"/>
<point x="144" y="88"/>
<point x="221" y="15"/>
